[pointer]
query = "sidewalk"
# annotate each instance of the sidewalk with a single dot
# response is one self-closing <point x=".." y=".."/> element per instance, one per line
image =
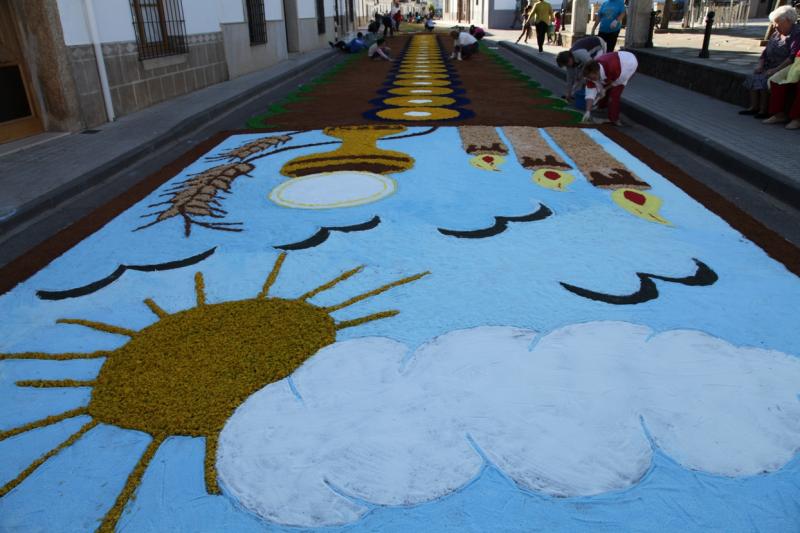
<point x="767" y="156"/>
<point x="41" y="176"/>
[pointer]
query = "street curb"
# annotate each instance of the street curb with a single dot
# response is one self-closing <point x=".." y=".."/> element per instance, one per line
<point x="778" y="186"/>
<point x="56" y="196"/>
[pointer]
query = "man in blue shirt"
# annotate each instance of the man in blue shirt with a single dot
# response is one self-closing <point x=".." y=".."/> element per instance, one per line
<point x="609" y="17"/>
<point x="355" y="45"/>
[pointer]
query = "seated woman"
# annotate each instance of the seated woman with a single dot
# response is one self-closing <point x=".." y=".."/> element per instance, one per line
<point x="779" y="52"/>
<point x="784" y="98"/>
<point x="379" y="51"/>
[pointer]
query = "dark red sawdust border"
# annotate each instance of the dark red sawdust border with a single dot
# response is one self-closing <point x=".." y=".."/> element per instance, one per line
<point x="28" y="264"/>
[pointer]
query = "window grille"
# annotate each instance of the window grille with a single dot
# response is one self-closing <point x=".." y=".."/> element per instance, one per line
<point x="159" y="27"/>
<point x="352" y="10"/>
<point x="320" y="16"/>
<point x="256" y="21"/>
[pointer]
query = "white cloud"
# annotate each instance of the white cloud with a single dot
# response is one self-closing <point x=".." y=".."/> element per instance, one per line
<point x="565" y="418"/>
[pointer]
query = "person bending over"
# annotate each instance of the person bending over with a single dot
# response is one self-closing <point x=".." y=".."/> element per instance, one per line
<point x="583" y="50"/>
<point x="464" y="45"/>
<point x="606" y="77"/>
<point x="477" y="32"/>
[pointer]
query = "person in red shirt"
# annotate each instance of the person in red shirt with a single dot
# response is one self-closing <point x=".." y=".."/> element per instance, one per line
<point x="606" y="77"/>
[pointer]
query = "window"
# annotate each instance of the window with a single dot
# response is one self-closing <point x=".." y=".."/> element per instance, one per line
<point x="159" y="27"/>
<point x="256" y="21"/>
<point x="320" y="16"/>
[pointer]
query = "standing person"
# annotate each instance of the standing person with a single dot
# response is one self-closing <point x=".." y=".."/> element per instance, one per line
<point x="609" y="18"/>
<point x="388" y="25"/>
<point x="583" y="50"/>
<point x="606" y="76"/>
<point x="526" y="24"/>
<point x="464" y="45"/>
<point x="542" y="16"/>
<point x="395" y="14"/>
<point x="518" y="13"/>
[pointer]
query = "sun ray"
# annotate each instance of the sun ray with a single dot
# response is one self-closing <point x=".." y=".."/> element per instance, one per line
<point x="43" y="422"/>
<point x="112" y="516"/>
<point x="34" y="465"/>
<point x="364" y="319"/>
<point x="212" y="487"/>
<point x="375" y="292"/>
<point x="272" y="277"/>
<point x="160" y="313"/>
<point x="199" y="289"/>
<point x="53" y="356"/>
<point x="54" y="383"/>
<point x="99" y="326"/>
<point x="331" y="283"/>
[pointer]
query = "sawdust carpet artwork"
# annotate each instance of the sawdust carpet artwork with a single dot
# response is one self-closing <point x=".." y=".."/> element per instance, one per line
<point x="409" y="312"/>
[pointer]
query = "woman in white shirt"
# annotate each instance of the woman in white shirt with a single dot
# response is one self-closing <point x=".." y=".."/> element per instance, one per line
<point x="464" y="45"/>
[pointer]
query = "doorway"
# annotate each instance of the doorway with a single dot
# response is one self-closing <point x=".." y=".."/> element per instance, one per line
<point x="19" y="116"/>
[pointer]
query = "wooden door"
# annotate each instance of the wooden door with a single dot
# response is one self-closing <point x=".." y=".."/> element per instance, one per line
<point x="19" y="116"/>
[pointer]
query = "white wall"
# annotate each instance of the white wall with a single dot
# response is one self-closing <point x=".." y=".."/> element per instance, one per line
<point x="307" y="9"/>
<point x="202" y="16"/>
<point x="505" y="4"/>
<point x="113" y="21"/>
<point x="274" y="9"/>
<point x="229" y="10"/>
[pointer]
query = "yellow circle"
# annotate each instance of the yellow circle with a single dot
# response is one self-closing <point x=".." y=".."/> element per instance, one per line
<point x="419" y="101"/>
<point x="423" y="76"/>
<point x="422" y="83"/>
<point x="419" y="63"/>
<point x="418" y="113"/>
<point x="422" y="70"/>
<point x="421" y="91"/>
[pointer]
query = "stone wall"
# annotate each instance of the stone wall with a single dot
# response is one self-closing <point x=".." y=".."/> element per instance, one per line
<point x="136" y="84"/>
<point x="696" y="75"/>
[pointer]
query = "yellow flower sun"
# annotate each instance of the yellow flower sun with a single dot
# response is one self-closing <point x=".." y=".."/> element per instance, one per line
<point x="186" y="373"/>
